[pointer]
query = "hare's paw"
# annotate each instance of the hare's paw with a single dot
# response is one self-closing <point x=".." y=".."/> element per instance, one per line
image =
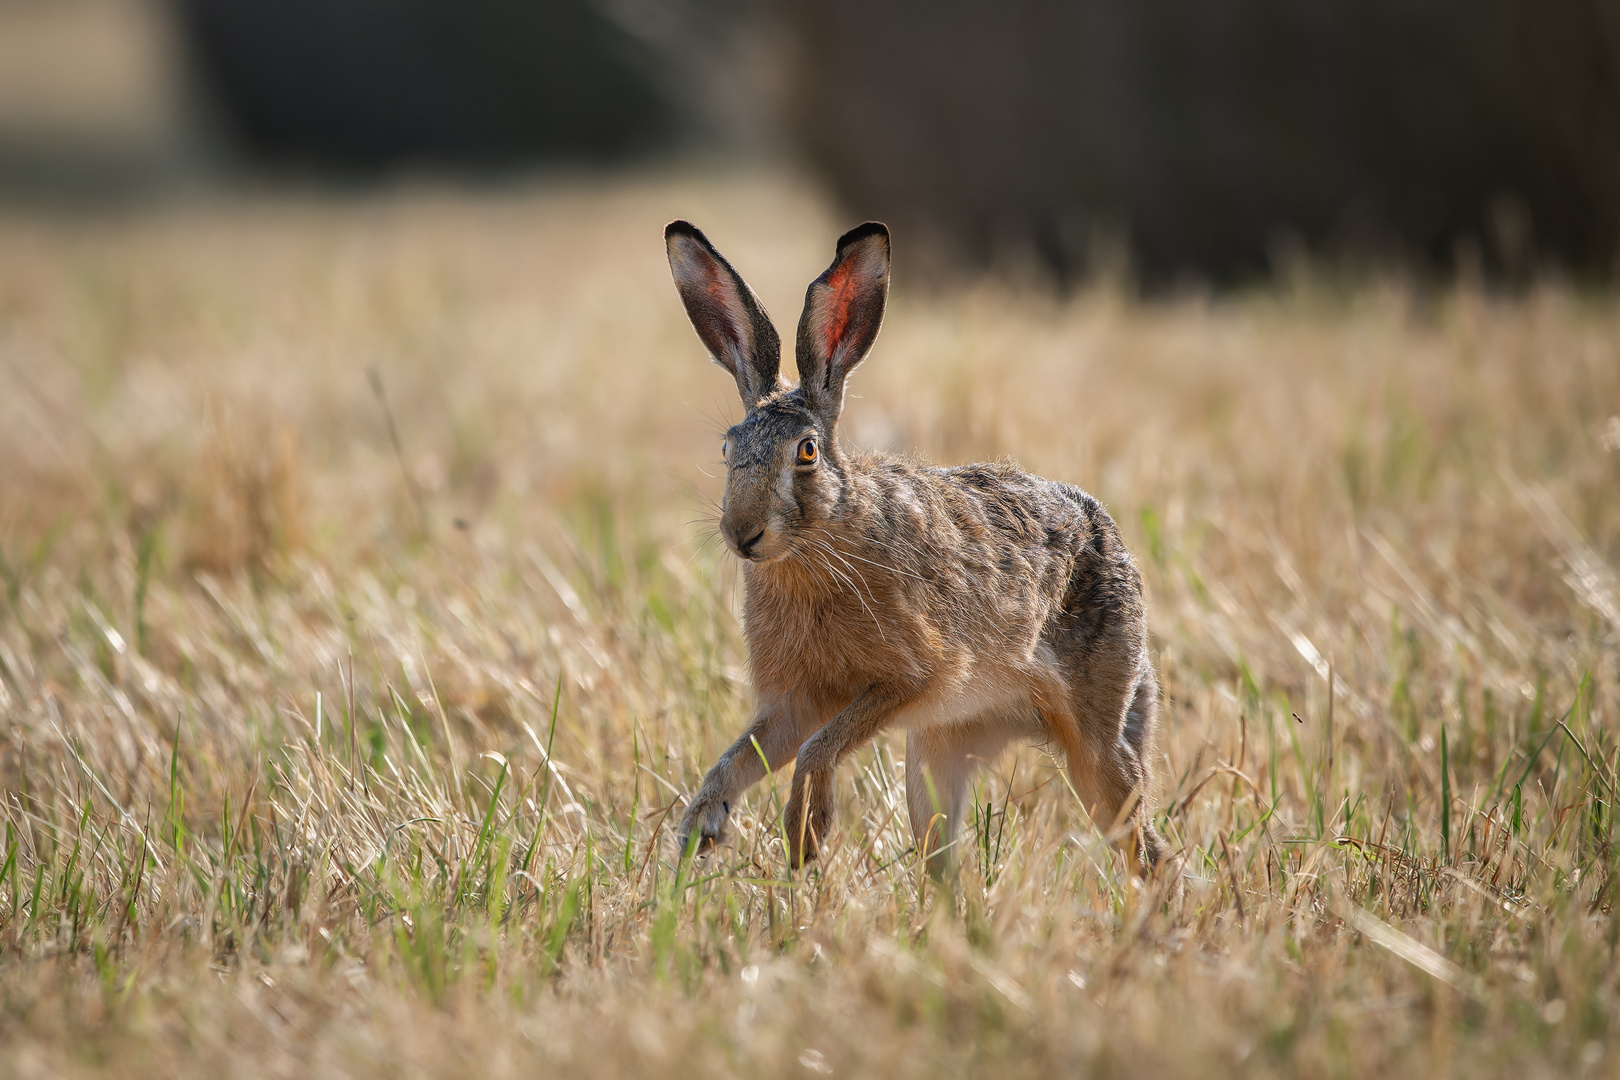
<point x="1153" y="852"/>
<point x="1157" y="856"/>
<point x="807" y="825"/>
<point x="709" y="819"/>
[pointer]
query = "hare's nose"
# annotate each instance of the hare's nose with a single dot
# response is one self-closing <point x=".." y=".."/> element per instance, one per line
<point x="741" y="538"/>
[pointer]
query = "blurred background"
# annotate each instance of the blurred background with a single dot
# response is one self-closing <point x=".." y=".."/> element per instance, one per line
<point x="1171" y="139"/>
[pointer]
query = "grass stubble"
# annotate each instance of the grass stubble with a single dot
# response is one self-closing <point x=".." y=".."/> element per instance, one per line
<point x="362" y="628"/>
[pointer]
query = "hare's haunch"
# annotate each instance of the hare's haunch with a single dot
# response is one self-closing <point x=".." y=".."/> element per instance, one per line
<point x="970" y="606"/>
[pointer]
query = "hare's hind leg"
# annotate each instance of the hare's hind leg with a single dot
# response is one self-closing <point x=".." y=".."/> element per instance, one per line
<point x="940" y="763"/>
<point x="1141" y="728"/>
<point x="1093" y="723"/>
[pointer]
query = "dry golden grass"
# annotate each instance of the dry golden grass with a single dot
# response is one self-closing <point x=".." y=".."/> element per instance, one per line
<point x="277" y="700"/>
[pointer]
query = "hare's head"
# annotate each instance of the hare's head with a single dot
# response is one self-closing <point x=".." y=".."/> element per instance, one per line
<point x="784" y="470"/>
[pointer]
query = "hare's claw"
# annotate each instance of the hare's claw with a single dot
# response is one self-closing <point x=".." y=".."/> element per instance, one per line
<point x="709" y="819"/>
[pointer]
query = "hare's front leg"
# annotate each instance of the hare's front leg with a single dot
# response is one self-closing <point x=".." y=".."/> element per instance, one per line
<point x="808" y="815"/>
<point x="779" y="728"/>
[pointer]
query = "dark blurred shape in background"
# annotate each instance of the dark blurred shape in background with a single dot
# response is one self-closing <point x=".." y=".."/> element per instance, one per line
<point x="466" y="82"/>
<point x="1214" y="136"/>
<point x="1218" y="139"/>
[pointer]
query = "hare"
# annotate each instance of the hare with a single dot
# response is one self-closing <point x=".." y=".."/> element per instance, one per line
<point x="969" y="606"/>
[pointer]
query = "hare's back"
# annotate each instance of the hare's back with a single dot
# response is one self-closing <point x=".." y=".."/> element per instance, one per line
<point x="1023" y="512"/>
<point x="989" y="532"/>
<point x="1059" y="538"/>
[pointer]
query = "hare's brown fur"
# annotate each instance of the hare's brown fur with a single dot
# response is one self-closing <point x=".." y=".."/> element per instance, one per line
<point x="970" y="606"/>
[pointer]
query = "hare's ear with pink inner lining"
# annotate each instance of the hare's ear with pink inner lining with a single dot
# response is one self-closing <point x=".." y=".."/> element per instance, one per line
<point x="843" y="310"/>
<point x="728" y="317"/>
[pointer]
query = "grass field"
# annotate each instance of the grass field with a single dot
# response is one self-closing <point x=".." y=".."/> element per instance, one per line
<point x="362" y="629"/>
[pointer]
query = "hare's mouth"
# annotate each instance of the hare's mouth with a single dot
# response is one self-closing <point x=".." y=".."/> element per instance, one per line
<point x="749" y="548"/>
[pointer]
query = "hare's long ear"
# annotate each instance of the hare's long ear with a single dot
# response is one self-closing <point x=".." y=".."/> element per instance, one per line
<point x="727" y="315"/>
<point x="843" y="310"/>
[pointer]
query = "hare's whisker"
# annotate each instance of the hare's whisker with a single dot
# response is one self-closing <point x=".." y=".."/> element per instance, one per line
<point x="885" y="566"/>
<point x="701" y="548"/>
<point x="827" y="549"/>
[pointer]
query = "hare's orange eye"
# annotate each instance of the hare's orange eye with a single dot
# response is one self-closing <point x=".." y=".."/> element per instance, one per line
<point x="807" y="451"/>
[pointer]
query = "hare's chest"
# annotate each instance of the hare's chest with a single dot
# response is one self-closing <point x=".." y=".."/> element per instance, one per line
<point x="829" y="647"/>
